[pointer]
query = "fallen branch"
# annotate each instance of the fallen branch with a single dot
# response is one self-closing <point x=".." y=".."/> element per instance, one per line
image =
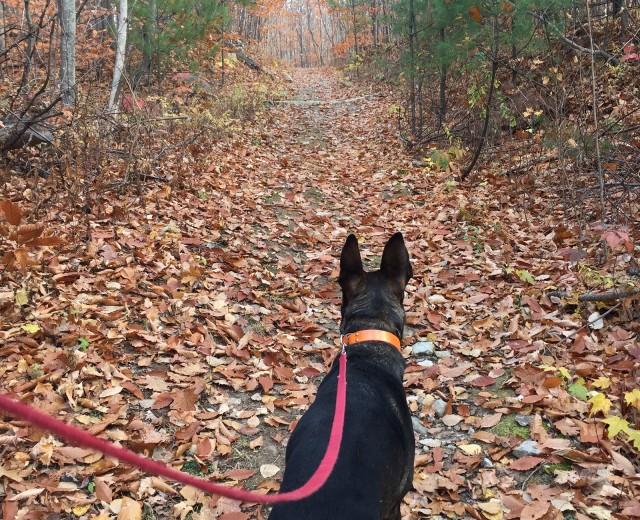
<point x="17" y="135"/>
<point x="320" y="101"/>
<point x="596" y="53"/>
<point x="605" y="296"/>
<point x="529" y="164"/>
<point x="251" y="63"/>
<point x="608" y="296"/>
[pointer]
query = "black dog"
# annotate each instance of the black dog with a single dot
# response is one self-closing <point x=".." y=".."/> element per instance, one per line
<point x="374" y="470"/>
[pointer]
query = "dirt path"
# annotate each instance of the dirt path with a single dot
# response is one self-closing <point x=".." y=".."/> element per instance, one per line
<point x="326" y="167"/>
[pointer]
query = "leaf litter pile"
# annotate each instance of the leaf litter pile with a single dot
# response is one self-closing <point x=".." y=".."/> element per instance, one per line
<point x="193" y="324"/>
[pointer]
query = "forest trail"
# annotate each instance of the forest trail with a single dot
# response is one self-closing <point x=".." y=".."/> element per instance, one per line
<point x="195" y="321"/>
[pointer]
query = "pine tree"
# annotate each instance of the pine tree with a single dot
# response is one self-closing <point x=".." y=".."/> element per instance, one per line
<point x="169" y="29"/>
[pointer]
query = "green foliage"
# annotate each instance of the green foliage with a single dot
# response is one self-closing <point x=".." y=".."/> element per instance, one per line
<point x="460" y="37"/>
<point x="169" y="29"/>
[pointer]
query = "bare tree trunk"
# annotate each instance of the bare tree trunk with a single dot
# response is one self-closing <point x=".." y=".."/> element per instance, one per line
<point x="222" y="71"/>
<point x="595" y="114"/>
<point x="31" y="44"/>
<point x="301" y="43"/>
<point x="105" y="21"/>
<point x="487" y="114"/>
<point x="67" y="17"/>
<point x="313" y="38"/>
<point x="355" y="28"/>
<point x="442" y="107"/>
<point x="149" y="38"/>
<point x="374" y="23"/>
<point x="121" y="49"/>
<point x="385" y="27"/>
<point x="412" y="67"/>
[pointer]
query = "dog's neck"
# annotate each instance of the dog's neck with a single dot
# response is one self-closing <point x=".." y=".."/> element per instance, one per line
<point x="354" y="325"/>
<point x="369" y="335"/>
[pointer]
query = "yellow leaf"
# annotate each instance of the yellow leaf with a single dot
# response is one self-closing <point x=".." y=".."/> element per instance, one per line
<point x="491" y="510"/>
<point x="616" y="425"/>
<point x="10" y="473"/>
<point x="602" y="382"/>
<point x="81" y="510"/>
<point x="633" y="398"/>
<point x="545" y="80"/>
<point x="31" y="328"/>
<point x="22" y="297"/>
<point x="564" y="373"/>
<point x="599" y="403"/>
<point x="470" y="449"/>
<point x="634" y="437"/>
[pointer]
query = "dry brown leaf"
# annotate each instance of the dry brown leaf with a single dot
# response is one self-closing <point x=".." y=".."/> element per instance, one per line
<point x="525" y="463"/>
<point x="11" y="211"/>
<point x="130" y="509"/>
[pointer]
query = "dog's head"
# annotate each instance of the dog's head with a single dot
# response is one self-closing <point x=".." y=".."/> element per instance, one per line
<point x="373" y="300"/>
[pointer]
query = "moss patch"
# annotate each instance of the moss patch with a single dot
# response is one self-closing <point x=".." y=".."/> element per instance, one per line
<point x="508" y="427"/>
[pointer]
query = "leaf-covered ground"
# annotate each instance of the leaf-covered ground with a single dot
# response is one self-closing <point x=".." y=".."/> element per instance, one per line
<point x="194" y="323"/>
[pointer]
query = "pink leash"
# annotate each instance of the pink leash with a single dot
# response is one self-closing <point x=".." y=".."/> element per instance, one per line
<point x="82" y="438"/>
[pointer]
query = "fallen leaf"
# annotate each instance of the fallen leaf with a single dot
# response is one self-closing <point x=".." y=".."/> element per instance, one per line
<point x="269" y="470"/>
<point x="525" y="463"/>
<point x="26" y="494"/>
<point x="451" y="420"/>
<point x="534" y="510"/>
<point x="470" y="449"/>
<point x="130" y="509"/>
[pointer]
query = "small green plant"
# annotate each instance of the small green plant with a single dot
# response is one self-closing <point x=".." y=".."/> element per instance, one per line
<point x="440" y="159"/>
<point x="592" y="278"/>
<point x="83" y="344"/>
<point x="192" y="467"/>
<point x="90" y="488"/>
<point x="472" y="235"/>
<point x="35" y="371"/>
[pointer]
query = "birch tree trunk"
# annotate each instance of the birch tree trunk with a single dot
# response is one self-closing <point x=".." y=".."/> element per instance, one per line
<point x="67" y="17"/>
<point x="3" y="34"/>
<point x="121" y="47"/>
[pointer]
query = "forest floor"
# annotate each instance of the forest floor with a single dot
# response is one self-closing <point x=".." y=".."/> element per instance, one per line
<point x="195" y="322"/>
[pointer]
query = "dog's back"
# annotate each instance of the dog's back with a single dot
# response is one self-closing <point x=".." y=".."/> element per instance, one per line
<point x="375" y="464"/>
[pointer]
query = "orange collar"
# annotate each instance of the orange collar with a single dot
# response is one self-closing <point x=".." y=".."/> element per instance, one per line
<point x="372" y="335"/>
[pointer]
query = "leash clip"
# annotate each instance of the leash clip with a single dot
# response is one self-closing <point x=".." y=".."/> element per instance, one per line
<point x="343" y="343"/>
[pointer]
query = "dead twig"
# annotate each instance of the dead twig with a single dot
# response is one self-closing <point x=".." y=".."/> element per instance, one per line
<point x="592" y="321"/>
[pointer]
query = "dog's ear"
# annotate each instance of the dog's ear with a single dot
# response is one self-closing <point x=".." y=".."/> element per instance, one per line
<point x="395" y="263"/>
<point x="351" y="270"/>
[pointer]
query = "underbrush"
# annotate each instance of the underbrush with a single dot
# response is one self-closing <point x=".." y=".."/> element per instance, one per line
<point x="541" y="134"/>
<point x="155" y="138"/>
